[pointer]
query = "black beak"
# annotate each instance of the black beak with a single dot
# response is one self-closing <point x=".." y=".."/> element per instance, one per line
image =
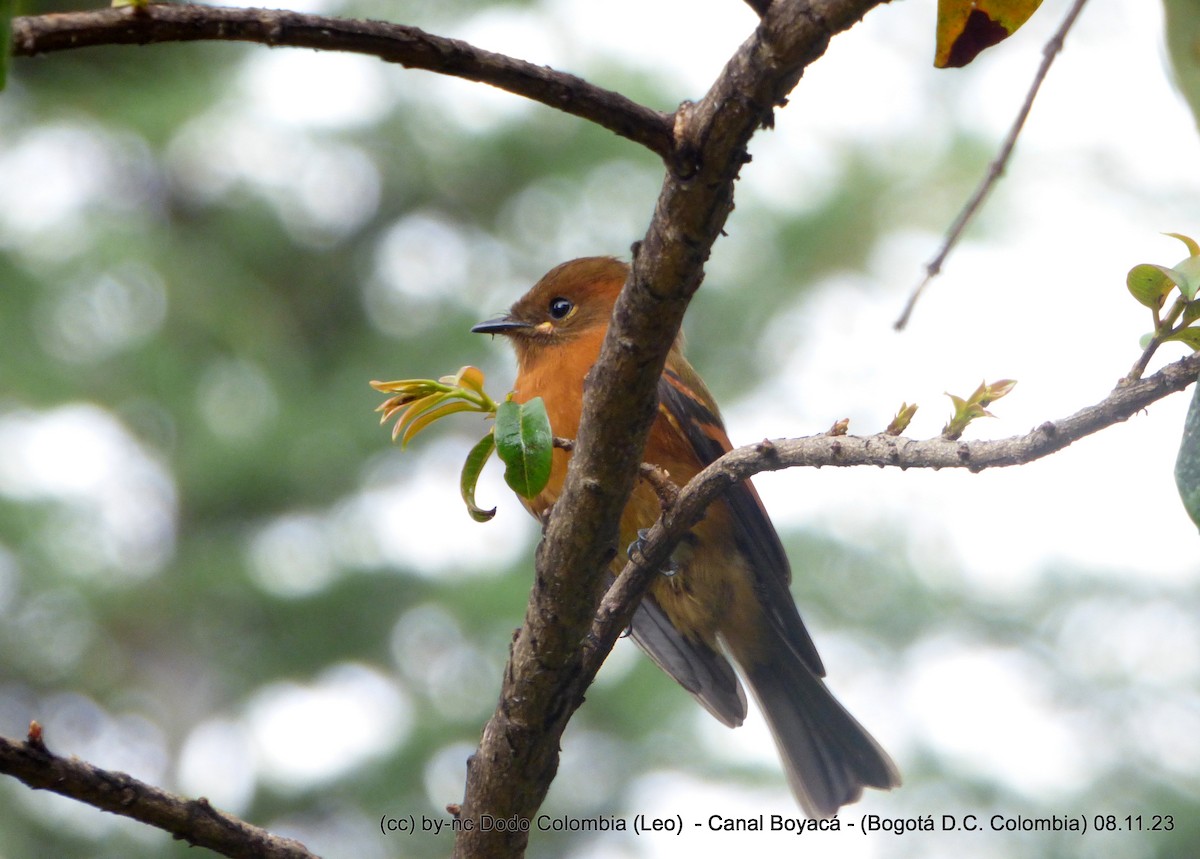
<point x="500" y="325"/>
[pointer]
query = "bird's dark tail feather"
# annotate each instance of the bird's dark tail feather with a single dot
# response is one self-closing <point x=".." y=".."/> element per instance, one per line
<point x="829" y="757"/>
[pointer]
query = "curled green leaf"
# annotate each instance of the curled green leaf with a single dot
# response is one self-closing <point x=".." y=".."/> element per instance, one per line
<point x="525" y="444"/>
<point x="1149" y="284"/>
<point x="472" y="467"/>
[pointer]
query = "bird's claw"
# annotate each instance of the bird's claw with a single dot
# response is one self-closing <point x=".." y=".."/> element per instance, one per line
<point x="637" y="545"/>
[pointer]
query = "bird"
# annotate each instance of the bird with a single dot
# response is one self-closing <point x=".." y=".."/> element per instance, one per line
<point x="726" y="591"/>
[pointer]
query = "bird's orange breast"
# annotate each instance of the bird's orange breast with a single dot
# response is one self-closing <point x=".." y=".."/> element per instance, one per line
<point x="711" y="589"/>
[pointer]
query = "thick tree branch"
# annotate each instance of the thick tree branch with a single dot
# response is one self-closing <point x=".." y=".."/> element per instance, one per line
<point x="545" y="678"/>
<point x="880" y="450"/>
<point x="198" y="823"/>
<point x="393" y="43"/>
<point x="704" y="146"/>
<point x="191" y="820"/>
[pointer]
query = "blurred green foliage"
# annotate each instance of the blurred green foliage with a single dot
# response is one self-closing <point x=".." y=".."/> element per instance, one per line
<point x="194" y="293"/>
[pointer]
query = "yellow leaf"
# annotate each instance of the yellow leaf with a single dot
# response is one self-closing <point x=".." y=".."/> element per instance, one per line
<point x="471" y="377"/>
<point x="966" y="27"/>
<point x="431" y="415"/>
<point x="1192" y="246"/>
<point x="413" y="411"/>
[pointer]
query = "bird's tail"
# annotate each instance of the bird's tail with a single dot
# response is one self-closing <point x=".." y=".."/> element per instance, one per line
<point x="828" y="756"/>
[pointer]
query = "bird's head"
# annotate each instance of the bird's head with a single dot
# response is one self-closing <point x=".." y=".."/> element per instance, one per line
<point x="570" y="301"/>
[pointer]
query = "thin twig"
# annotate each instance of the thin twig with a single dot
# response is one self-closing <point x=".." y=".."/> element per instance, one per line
<point x="995" y="169"/>
<point x="660" y="481"/>
<point x="1163" y="329"/>
<point x="658" y="478"/>
<point x="393" y="43"/>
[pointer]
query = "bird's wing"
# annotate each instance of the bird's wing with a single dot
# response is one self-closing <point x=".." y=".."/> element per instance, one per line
<point x="684" y="398"/>
<point x="695" y="666"/>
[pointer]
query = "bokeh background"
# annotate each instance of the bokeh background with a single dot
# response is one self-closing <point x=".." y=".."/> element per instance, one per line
<point x="217" y="574"/>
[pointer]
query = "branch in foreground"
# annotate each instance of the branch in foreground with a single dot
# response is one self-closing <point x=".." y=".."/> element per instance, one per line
<point x="616" y="610"/>
<point x="198" y="823"/>
<point x="393" y="43"/>
<point x="191" y="820"/>
<point x="545" y="679"/>
<point x="995" y="169"/>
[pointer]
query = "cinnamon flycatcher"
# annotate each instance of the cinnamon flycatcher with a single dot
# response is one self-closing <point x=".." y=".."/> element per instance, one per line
<point x="727" y="592"/>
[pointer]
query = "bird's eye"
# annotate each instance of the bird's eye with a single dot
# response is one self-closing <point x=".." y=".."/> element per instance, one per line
<point x="560" y="307"/>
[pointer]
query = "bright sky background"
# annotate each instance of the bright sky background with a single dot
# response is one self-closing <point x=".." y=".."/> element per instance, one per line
<point x="1108" y="161"/>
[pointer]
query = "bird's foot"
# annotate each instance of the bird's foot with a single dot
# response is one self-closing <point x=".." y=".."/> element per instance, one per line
<point x="636" y="546"/>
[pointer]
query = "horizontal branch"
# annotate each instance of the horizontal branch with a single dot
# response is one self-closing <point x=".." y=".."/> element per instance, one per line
<point x="880" y="450"/>
<point x="191" y="820"/>
<point x="393" y="43"/>
<point x="884" y="450"/>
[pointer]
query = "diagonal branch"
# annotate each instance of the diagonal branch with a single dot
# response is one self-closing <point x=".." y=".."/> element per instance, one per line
<point x="546" y="677"/>
<point x="393" y="43"/>
<point x="191" y="820"/>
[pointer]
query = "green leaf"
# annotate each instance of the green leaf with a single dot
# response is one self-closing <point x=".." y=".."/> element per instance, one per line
<point x="1191" y="312"/>
<point x="903" y="418"/>
<point x="1190" y="336"/>
<point x="525" y="444"/>
<point x="476" y="459"/>
<point x="6" y="13"/>
<point x="1189" y="270"/>
<point x="973" y="407"/>
<point x="989" y="393"/>
<point x="1150" y="283"/>
<point x="1187" y="463"/>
